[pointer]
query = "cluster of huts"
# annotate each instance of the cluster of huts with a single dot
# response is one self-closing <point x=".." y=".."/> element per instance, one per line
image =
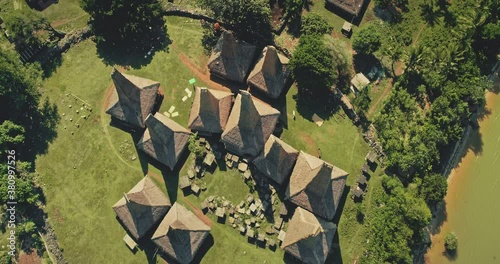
<point x="245" y="125"/>
<point x="360" y="189"/>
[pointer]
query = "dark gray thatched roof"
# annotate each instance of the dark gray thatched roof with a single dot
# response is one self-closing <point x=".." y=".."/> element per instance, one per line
<point x="133" y="98"/>
<point x="250" y="124"/>
<point x="164" y="139"/>
<point x="277" y="159"/>
<point x="231" y="58"/>
<point x="180" y="234"/>
<point x="269" y="75"/>
<point x="210" y="110"/>
<point x="308" y="237"/>
<point x="352" y="7"/>
<point x="316" y="185"/>
<point x="142" y="207"/>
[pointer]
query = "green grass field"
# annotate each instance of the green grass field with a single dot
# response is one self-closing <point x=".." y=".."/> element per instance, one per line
<point x="84" y="174"/>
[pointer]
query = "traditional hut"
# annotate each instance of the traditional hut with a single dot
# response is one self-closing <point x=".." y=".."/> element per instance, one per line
<point x="231" y="58"/>
<point x="269" y="75"/>
<point x="210" y="111"/>
<point x="180" y="234"/>
<point x="316" y="185"/>
<point x="133" y="98"/>
<point x="141" y="208"/>
<point x="164" y="139"/>
<point x="359" y="82"/>
<point x="277" y="160"/>
<point x="371" y="157"/>
<point x="309" y="238"/>
<point x="250" y="124"/>
<point x="352" y="7"/>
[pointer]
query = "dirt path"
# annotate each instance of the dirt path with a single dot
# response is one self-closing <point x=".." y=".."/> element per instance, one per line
<point x="58" y="23"/>
<point x="384" y="94"/>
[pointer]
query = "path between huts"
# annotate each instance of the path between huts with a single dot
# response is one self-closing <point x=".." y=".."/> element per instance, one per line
<point x="384" y="94"/>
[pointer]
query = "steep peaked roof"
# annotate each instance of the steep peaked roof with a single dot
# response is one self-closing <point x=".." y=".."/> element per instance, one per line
<point x="250" y="124"/>
<point x="180" y="234"/>
<point x="269" y="75"/>
<point x="316" y="186"/>
<point x="231" y="58"/>
<point x="164" y="139"/>
<point x="133" y="98"/>
<point x="352" y="7"/>
<point x="277" y="159"/>
<point x="210" y="110"/>
<point x="142" y="207"/>
<point x="309" y="238"/>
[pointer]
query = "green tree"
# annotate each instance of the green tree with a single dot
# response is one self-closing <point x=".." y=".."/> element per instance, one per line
<point x="127" y="26"/>
<point x="433" y="188"/>
<point x="314" y="24"/>
<point x="194" y="147"/>
<point x="312" y="65"/>
<point x="362" y="100"/>
<point x="26" y="27"/>
<point x="366" y="40"/>
<point x="11" y="135"/>
<point x="451" y="242"/>
<point x="249" y="19"/>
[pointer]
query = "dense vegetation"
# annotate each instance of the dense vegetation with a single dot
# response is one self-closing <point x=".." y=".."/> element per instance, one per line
<point x="26" y="126"/>
<point x="366" y="40"/>
<point x="126" y="26"/>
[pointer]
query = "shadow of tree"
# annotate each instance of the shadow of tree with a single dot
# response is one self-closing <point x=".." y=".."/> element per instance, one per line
<point x="322" y="104"/>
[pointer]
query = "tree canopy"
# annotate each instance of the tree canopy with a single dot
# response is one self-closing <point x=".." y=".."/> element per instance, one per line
<point x="25" y="27"/>
<point x="249" y="19"/>
<point x="127" y="26"/>
<point x="314" y="24"/>
<point x="433" y="188"/>
<point x="312" y="65"/>
<point x="366" y="40"/>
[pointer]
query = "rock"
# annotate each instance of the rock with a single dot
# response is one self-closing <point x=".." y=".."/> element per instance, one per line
<point x="133" y="157"/>
<point x="70" y="106"/>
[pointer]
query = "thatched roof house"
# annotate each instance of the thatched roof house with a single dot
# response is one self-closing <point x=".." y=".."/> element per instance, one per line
<point x="231" y="58"/>
<point x="210" y="111"/>
<point x="250" y="124"/>
<point x="142" y="207"/>
<point x="269" y="75"/>
<point x="133" y="98"/>
<point x="277" y="159"/>
<point x="353" y="7"/>
<point x="164" y="139"/>
<point x="309" y="238"/>
<point x="316" y="185"/>
<point x="180" y="234"/>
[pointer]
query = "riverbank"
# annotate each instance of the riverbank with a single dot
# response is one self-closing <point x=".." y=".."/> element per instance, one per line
<point x="470" y="209"/>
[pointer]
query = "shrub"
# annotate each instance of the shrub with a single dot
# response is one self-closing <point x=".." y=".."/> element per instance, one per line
<point x="314" y="24"/>
<point x="451" y="242"/>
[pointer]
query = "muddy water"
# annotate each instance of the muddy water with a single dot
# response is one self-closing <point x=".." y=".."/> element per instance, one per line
<point x="473" y="199"/>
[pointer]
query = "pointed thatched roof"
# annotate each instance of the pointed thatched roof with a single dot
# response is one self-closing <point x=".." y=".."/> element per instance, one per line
<point x="133" y="98"/>
<point x="142" y="207"/>
<point x="180" y="234"/>
<point x="210" y="110"/>
<point x="277" y="159"/>
<point x="250" y="124"/>
<point x="269" y="75"/>
<point x="309" y="237"/>
<point x="231" y="58"/>
<point x="164" y="139"/>
<point x="352" y="7"/>
<point x="316" y="185"/>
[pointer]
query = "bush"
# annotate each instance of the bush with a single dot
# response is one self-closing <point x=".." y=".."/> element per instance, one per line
<point x="314" y="24"/>
<point x="451" y="242"/>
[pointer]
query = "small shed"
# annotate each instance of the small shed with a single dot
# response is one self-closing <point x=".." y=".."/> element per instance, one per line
<point x="220" y="213"/>
<point x="371" y="157"/>
<point x="250" y="233"/>
<point x="362" y="181"/>
<point x="195" y="189"/>
<point x="365" y="169"/>
<point x="130" y="242"/>
<point x="282" y="235"/>
<point x="283" y="209"/>
<point x="359" y="82"/>
<point x="184" y="182"/>
<point x="209" y="159"/>
<point x="204" y="205"/>
<point x="357" y="193"/>
<point x="347" y="29"/>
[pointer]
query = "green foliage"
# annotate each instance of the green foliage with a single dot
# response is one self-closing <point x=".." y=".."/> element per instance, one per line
<point x="249" y="19"/>
<point x="451" y="242"/>
<point x="312" y="65"/>
<point x="11" y="135"/>
<point x="132" y="26"/>
<point x="194" y="147"/>
<point x="366" y="40"/>
<point x="25" y="26"/>
<point x="433" y="188"/>
<point x="314" y="24"/>
<point x="395" y="225"/>
<point x="293" y="8"/>
<point x="362" y="100"/>
<point x="26" y="192"/>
